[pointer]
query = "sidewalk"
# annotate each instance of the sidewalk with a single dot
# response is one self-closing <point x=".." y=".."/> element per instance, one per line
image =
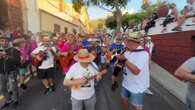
<point x="172" y="90"/>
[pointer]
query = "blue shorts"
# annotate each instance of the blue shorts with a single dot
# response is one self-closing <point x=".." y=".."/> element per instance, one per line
<point x="136" y="100"/>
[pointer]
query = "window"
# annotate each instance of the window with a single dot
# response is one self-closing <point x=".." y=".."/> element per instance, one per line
<point x="66" y="30"/>
<point x="74" y="31"/>
<point x="56" y="28"/>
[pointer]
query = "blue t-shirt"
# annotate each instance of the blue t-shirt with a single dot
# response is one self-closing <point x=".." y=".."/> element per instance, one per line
<point x="86" y="43"/>
<point x="117" y="47"/>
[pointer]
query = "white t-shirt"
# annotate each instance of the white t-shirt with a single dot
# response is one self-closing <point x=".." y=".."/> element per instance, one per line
<point x="137" y="83"/>
<point x="49" y="62"/>
<point x="76" y="71"/>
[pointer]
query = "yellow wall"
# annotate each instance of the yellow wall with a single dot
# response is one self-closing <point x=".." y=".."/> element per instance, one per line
<point x="48" y="21"/>
<point x="69" y="14"/>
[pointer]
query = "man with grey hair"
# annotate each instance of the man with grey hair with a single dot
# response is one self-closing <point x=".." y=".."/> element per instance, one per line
<point x="136" y="77"/>
<point x="187" y="72"/>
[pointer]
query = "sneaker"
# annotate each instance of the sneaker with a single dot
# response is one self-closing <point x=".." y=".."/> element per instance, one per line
<point x="149" y="92"/>
<point x="23" y="86"/>
<point x="2" y="97"/>
<point x="6" y="104"/>
<point x="52" y="88"/>
<point x="46" y="91"/>
<point x="114" y="86"/>
<point x="14" y="105"/>
<point x="164" y="30"/>
<point x="177" y="29"/>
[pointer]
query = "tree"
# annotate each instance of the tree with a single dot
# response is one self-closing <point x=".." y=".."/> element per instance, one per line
<point x="128" y="21"/>
<point x="182" y="12"/>
<point x="116" y="5"/>
<point x="149" y="9"/>
<point x="111" y="23"/>
<point x="100" y="26"/>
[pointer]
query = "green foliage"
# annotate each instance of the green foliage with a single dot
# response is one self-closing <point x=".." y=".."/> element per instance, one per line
<point x="110" y="3"/>
<point x="161" y="3"/>
<point x="145" y="6"/>
<point x="148" y="9"/>
<point x="182" y="12"/>
<point x="100" y="26"/>
<point x="128" y="21"/>
<point x="111" y="23"/>
<point x="114" y="4"/>
<point x="77" y="5"/>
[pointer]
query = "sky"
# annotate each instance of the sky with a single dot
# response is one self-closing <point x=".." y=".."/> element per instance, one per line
<point x="133" y="6"/>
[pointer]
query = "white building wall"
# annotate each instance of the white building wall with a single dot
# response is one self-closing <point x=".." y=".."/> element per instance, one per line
<point x="33" y="16"/>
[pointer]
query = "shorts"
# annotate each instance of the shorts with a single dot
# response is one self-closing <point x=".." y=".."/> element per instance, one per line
<point x="136" y="99"/>
<point x="45" y="73"/>
<point x="23" y="71"/>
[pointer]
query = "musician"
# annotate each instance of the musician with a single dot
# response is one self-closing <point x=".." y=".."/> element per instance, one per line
<point x="116" y="48"/>
<point x="30" y="45"/>
<point x="67" y="52"/>
<point x="80" y="78"/>
<point x="117" y="45"/>
<point x="46" y="68"/>
<point x="19" y="43"/>
<point x="9" y="61"/>
<point x="107" y="40"/>
<point x="136" y="74"/>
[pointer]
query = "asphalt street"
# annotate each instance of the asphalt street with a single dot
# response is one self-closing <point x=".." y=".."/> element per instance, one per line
<point x="34" y="99"/>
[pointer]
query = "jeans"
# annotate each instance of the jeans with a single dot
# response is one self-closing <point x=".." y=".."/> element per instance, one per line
<point x="190" y="104"/>
<point x="8" y="86"/>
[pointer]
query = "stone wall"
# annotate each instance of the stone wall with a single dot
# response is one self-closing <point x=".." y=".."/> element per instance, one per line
<point x="11" y="14"/>
<point x="15" y="14"/>
<point x="173" y="49"/>
<point x="3" y="15"/>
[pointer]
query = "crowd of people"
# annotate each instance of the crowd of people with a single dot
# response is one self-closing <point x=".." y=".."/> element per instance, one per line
<point x="173" y="16"/>
<point x="83" y="60"/>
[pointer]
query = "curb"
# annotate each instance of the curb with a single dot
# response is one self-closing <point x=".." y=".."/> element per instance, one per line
<point x="171" y="99"/>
